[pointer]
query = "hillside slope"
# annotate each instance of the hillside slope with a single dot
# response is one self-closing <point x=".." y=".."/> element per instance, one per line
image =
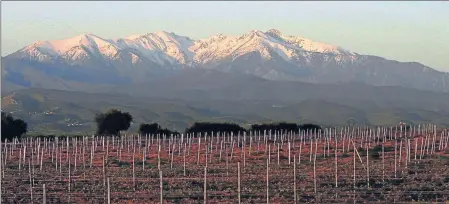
<point x="66" y="111"/>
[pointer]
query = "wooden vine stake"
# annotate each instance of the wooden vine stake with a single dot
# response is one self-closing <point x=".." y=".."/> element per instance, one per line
<point x="44" y="194"/>
<point x="109" y="192"/>
<point x="406" y="153"/>
<point x="84" y="160"/>
<point x="336" y="163"/>
<point x="104" y="172"/>
<point x="289" y="154"/>
<point x="31" y="183"/>
<point x="354" y="171"/>
<point x="20" y="159"/>
<point x="91" y="153"/>
<point x="205" y="184"/>
<point x="69" y="179"/>
<point x="300" y="150"/>
<point x="238" y="175"/>
<point x="134" y="175"/>
<point x="314" y="167"/>
<point x="269" y="154"/>
<point x="227" y="163"/>
<point x="416" y="147"/>
<point x="395" y="156"/>
<point x="107" y="149"/>
<point x="400" y="154"/>
<point x="268" y="197"/>
<point x="311" y="149"/>
<point x="171" y="161"/>
<point x="160" y="186"/>
<point x="159" y="157"/>
<point x="367" y="166"/>
<point x="294" y="179"/>
<point x="184" y="166"/>
<point x="143" y="159"/>
<point x="42" y="155"/>
<point x="383" y="163"/>
<point x="198" y="152"/>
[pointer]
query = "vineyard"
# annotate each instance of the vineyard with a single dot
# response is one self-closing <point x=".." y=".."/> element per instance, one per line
<point x="334" y="165"/>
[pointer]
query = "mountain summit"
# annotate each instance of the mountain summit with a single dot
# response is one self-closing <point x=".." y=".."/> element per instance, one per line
<point x="90" y="59"/>
<point x="164" y="47"/>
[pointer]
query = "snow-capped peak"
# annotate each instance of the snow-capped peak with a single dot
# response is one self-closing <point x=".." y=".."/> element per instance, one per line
<point x="56" y="48"/>
<point x="168" y="48"/>
<point x="274" y="32"/>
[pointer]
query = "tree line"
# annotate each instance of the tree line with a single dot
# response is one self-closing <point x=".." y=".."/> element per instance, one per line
<point x="114" y="121"/>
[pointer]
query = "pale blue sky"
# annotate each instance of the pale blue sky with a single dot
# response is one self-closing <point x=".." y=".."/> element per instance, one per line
<point x="404" y="31"/>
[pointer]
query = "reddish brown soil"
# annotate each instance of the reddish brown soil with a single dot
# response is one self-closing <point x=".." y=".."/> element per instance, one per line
<point x="424" y="179"/>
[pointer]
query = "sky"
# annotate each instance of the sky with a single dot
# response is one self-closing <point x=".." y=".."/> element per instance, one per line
<point x="403" y="31"/>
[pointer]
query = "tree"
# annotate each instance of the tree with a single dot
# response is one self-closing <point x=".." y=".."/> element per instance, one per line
<point x="153" y="129"/>
<point x="207" y="127"/>
<point x="309" y="126"/>
<point x="281" y="126"/>
<point x="145" y="129"/>
<point x="12" y="127"/>
<point x="112" y="122"/>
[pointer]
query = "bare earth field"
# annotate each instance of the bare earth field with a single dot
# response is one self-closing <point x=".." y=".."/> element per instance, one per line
<point x="325" y="167"/>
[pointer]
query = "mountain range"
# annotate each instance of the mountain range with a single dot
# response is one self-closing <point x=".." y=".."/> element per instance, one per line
<point x="163" y="77"/>
<point x="82" y="61"/>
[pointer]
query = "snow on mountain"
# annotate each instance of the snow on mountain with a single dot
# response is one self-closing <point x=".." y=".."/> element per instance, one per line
<point x="75" y="48"/>
<point x="307" y="44"/>
<point x="288" y="47"/>
<point x="166" y="48"/>
<point x="271" y="55"/>
<point x="160" y="47"/>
